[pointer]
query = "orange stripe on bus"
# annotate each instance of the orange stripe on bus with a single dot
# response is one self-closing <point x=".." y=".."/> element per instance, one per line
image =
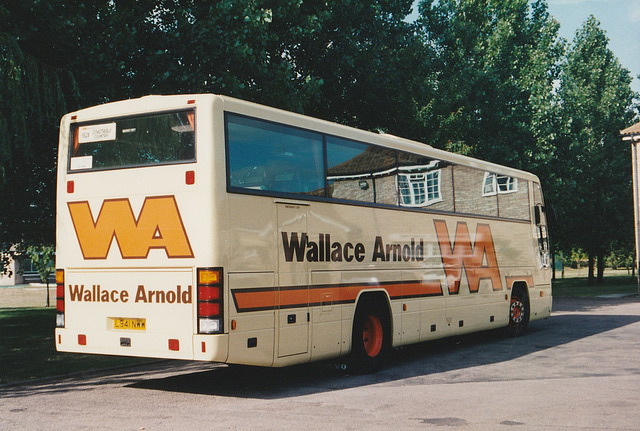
<point x="253" y="299"/>
<point x="421" y="289"/>
<point x="291" y="298"/>
<point x="512" y="279"/>
<point x="303" y="296"/>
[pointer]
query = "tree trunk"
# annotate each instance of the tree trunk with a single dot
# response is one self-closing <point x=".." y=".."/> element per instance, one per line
<point x="601" y="268"/>
<point x="591" y="278"/>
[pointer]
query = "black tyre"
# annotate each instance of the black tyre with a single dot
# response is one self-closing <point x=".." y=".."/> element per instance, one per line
<point x="519" y="312"/>
<point x="371" y="338"/>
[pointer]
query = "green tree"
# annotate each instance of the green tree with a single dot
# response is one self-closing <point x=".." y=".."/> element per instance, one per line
<point x="496" y="63"/>
<point x="31" y="104"/>
<point x="36" y="89"/>
<point x="43" y="260"/>
<point x="343" y="60"/>
<point x="595" y="186"/>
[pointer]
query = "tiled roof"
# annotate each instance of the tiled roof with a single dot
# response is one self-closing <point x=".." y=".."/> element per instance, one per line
<point x="375" y="160"/>
<point x="633" y="130"/>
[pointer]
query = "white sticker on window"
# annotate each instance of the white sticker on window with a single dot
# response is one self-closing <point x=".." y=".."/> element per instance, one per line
<point x="97" y="133"/>
<point x="84" y="162"/>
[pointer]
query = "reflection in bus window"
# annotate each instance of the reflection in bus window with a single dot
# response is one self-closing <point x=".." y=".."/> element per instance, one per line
<point x="506" y="184"/>
<point x="498" y="184"/>
<point x="420" y="182"/>
<point x="515" y="204"/>
<point x="360" y="172"/>
<point x="271" y="157"/>
<point x="469" y="198"/>
<point x="274" y="158"/>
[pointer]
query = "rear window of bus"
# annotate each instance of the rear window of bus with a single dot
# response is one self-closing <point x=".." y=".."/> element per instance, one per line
<point x="157" y="139"/>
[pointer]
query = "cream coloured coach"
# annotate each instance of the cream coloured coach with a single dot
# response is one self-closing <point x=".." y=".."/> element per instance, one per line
<point x="204" y="227"/>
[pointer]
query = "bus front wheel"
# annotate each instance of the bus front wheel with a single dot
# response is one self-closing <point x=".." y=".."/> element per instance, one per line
<point x="518" y="311"/>
<point x="371" y="338"/>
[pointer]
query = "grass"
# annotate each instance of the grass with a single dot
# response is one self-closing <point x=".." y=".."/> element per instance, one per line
<point x="575" y="284"/>
<point x="27" y="348"/>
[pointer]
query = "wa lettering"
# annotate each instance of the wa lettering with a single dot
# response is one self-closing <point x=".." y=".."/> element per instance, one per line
<point x="158" y="226"/>
<point x="477" y="260"/>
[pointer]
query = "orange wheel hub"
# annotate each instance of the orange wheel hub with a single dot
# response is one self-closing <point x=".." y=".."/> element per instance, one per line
<point x="372" y="336"/>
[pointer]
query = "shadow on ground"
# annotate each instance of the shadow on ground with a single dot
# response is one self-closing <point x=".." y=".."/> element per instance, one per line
<point x="441" y="356"/>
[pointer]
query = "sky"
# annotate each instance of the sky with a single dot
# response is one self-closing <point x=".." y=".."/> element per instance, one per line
<point x="620" y="19"/>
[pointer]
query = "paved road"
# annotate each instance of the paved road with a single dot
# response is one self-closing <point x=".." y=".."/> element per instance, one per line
<point x="578" y="370"/>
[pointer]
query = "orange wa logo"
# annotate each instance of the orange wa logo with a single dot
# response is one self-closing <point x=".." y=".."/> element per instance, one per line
<point x="477" y="260"/>
<point x="159" y="225"/>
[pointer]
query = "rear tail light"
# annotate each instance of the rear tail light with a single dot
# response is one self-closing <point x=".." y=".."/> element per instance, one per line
<point x="210" y="305"/>
<point x="59" y="298"/>
<point x="190" y="178"/>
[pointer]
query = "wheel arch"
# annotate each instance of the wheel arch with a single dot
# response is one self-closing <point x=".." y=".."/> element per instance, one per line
<point x="521" y="286"/>
<point x="380" y="297"/>
<point x="371" y="306"/>
<point x="519" y="308"/>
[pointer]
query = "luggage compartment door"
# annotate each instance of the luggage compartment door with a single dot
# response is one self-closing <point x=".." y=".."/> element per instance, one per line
<point x="292" y="313"/>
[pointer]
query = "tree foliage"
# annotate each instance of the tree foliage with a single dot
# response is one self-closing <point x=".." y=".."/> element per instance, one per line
<point x="31" y="104"/>
<point x="43" y="260"/>
<point x="496" y="63"/>
<point x="341" y="60"/>
<point x="595" y="191"/>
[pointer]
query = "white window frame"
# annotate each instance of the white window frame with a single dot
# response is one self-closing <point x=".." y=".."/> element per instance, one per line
<point x="491" y="185"/>
<point x="414" y="180"/>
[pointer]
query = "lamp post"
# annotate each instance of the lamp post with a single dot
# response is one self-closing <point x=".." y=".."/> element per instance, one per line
<point x="632" y="134"/>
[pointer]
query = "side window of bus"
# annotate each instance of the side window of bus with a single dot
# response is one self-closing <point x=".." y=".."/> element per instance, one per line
<point x="471" y="195"/>
<point x="275" y="158"/>
<point x="514" y="204"/>
<point x="360" y="172"/>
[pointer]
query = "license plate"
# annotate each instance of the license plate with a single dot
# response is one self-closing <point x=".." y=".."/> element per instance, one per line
<point x="130" y="324"/>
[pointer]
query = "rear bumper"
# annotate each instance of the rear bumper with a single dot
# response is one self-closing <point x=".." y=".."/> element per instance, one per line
<point x="130" y="343"/>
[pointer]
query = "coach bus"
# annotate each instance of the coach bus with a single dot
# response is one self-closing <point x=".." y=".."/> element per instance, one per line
<point x="203" y="227"/>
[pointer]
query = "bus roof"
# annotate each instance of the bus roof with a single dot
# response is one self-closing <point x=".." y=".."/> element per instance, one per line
<point x="153" y="103"/>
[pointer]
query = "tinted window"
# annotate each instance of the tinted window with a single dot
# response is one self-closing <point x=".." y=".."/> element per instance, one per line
<point x="515" y="204"/>
<point x="423" y="181"/>
<point x="470" y="197"/>
<point x="271" y="157"/>
<point x="361" y="172"/>
<point x="135" y="141"/>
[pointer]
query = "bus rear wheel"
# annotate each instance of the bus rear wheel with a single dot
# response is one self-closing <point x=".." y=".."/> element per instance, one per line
<point x="371" y="338"/>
